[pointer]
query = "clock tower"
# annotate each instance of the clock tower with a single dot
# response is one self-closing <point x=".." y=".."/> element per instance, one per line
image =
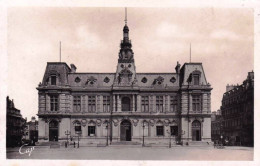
<point x="125" y="72"/>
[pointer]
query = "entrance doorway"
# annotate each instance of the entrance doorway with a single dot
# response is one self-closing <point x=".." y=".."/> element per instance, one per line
<point x="196" y="131"/>
<point x="53" y="131"/>
<point x="125" y="131"/>
<point x="126" y="104"/>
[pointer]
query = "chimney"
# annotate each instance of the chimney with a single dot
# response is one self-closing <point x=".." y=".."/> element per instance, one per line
<point x="229" y="87"/>
<point x="73" y="68"/>
<point x="250" y="75"/>
<point x="33" y="119"/>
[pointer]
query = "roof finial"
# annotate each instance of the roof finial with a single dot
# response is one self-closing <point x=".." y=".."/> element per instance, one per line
<point x="125" y="16"/>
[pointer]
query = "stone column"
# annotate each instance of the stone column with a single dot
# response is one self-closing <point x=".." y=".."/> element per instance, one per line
<point x="138" y="103"/>
<point x="119" y="104"/>
<point x="167" y="103"/>
<point x="114" y="103"/>
<point x="41" y="103"/>
<point x="42" y="129"/>
<point x="82" y="104"/>
<point x="97" y="103"/>
<point x="133" y="103"/>
<point x="190" y="104"/>
<point x="86" y="103"/>
<point x="66" y="103"/>
<point x="70" y="103"/>
<point x="48" y="102"/>
<point x="47" y="130"/>
<point x="209" y="103"/>
<point x="101" y="109"/>
<point x="150" y="103"/>
<point x="84" y="131"/>
<point x="154" y="103"/>
<point x="163" y="103"/>
<point x="204" y="103"/>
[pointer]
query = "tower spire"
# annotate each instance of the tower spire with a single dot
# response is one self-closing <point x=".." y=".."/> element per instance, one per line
<point x="126" y="52"/>
<point x="125" y="15"/>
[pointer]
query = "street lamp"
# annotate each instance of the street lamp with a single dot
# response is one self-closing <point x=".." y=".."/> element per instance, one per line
<point x="67" y="133"/>
<point x="107" y="134"/>
<point x="143" y="134"/>
<point x="78" y="132"/>
<point x="170" y="143"/>
<point x="221" y="134"/>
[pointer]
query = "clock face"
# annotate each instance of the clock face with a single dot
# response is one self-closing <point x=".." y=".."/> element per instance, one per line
<point x="129" y="54"/>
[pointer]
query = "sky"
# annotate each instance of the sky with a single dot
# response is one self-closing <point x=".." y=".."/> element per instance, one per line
<point x="221" y="38"/>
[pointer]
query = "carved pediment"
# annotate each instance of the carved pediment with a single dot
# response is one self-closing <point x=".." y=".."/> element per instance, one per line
<point x="91" y="80"/>
<point x="158" y="81"/>
<point x="126" y="71"/>
<point x="125" y="76"/>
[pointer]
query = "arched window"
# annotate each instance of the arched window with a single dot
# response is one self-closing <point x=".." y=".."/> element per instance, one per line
<point x="91" y="128"/>
<point x="77" y="126"/>
<point x="159" y="128"/>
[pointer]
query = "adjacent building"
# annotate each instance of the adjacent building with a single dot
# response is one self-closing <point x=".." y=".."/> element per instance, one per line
<point x="216" y="121"/>
<point x="31" y="131"/>
<point x="238" y="112"/>
<point x="14" y="124"/>
<point x="124" y="105"/>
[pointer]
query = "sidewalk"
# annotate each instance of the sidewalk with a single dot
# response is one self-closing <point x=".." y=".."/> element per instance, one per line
<point x="137" y="153"/>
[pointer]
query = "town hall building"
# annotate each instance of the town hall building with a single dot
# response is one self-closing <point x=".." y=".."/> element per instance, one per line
<point x="124" y="106"/>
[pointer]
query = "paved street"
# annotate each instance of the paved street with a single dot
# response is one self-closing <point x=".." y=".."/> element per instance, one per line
<point x="135" y="153"/>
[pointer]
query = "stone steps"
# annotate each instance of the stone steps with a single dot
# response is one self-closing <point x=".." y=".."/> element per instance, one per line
<point x="47" y="143"/>
<point x="125" y="143"/>
<point x="200" y="143"/>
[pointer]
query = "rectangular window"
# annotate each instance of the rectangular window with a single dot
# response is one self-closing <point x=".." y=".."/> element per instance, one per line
<point x="159" y="103"/>
<point x="173" y="103"/>
<point x="91" y="130"/>
<point x="91" y="103"/>
<point x="76" y="103"/>
<point x="53" y="80"/>
<point x="196" y="79"/>
<point x="106" y="103"/>
<point x="78" y="128"/>
<point x="145" y="103"/>
<point x="174" y="130"/>
<point x="196" y="103"/>
<point x="54" y="102"/>
<point x="159" y="130"/>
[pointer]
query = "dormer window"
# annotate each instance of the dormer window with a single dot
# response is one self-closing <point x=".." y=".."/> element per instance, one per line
<point x="91" y="81"/>
<point x="53" y="80"/>
<point x="158" y="81"/>
<point x="196" y="79"/>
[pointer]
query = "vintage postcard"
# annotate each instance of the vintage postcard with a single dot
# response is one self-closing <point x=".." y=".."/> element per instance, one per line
<point x="129" y="83"/>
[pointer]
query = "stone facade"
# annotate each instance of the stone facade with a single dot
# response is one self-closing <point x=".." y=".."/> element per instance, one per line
<point x="31" y="131"/>
<point x="15" y="124"/>
<point x="125" y="105"/>
<point x="237" y="112"/>
<point x="216" y="126"/>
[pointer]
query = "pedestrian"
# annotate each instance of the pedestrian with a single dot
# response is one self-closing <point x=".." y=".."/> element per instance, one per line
<point x="65" y="144"/>
<point x="74" y="144"/>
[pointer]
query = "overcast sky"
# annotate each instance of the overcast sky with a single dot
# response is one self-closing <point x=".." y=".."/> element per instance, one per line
<point x="222" y="39"/>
